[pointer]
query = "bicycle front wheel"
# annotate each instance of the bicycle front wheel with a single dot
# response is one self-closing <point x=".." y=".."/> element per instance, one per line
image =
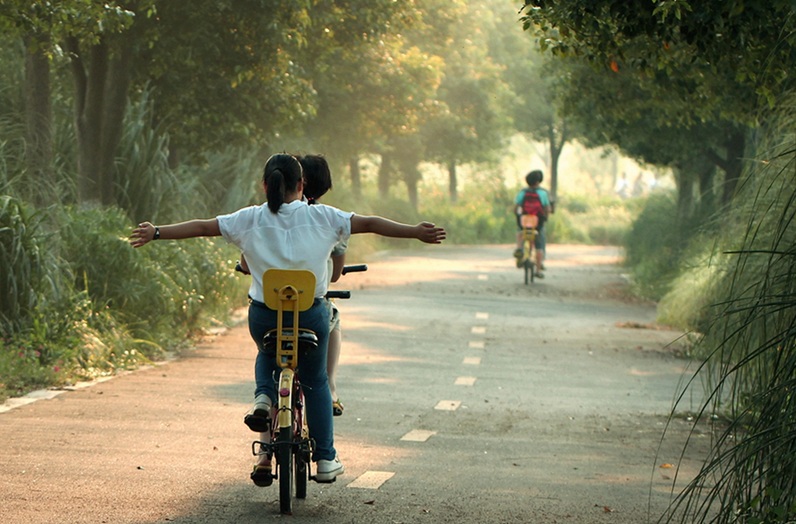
<point x="528" y="268"/>
<point x="302" y="474"/>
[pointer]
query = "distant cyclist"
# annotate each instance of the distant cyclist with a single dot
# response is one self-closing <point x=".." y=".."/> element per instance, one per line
<point x="533" y="200"/>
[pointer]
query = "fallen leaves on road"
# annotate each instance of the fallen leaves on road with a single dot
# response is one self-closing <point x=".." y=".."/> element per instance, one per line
<point x="630" y="324"/>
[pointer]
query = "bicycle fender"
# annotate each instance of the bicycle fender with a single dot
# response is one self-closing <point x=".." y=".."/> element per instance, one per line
<point x="285" y="393"/>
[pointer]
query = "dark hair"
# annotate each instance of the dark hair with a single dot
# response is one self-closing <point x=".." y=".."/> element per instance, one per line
<point x="281" y="175"/>
<point x="317" y="176"/>
<point x="534" y="177"/>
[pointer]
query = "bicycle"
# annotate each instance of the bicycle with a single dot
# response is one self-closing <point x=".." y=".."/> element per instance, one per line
<point x="527" y="261"/>
<point x="291" y="291"/>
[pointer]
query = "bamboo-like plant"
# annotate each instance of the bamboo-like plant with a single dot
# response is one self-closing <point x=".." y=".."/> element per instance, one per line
<point x="21" y="261"/>
<point x="144" y="179"/>
<point x="750" y="363"/>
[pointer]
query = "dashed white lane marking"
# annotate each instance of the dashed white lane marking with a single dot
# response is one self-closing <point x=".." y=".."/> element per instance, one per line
<point x="476" y="344"/>
<point x="465" y="381"/>
<point x="472" y="361"/>
<point x="418" y="435"/>
<point x="478" y="330"/>
<point x="483" y="277"/>
<point x="482" y="316"/>
<point x="371" y="479"/>
<point x="448" y="405"/>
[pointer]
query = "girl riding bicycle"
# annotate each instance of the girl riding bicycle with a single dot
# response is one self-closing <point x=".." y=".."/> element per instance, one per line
<point x="287" y="233"/>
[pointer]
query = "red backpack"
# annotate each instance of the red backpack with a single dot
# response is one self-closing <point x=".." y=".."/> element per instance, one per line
<point x="532" y="204"/>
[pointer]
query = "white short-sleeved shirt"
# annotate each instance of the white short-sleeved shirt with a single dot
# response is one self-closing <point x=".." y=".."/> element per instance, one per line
<point x="299" y="236"/>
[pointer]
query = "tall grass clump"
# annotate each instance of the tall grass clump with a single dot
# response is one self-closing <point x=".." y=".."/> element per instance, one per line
<point x="749" y="370"/>
<point x="145" y="181"/>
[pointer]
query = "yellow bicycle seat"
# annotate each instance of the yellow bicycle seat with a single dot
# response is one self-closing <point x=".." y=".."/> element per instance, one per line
<point x="529" y="221"/>
<point x="302" y="280"/>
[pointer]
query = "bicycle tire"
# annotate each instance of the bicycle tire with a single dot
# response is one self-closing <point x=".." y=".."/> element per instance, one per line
<point x="528" y="270"/>
<point x="302" y="475"/>
<point x="284" y="464"/>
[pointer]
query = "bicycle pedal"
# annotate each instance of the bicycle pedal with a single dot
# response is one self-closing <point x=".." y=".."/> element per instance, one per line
<point x="262" y="477"/>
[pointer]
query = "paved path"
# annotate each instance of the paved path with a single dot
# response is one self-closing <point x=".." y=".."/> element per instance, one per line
<point x="469" y="398"/>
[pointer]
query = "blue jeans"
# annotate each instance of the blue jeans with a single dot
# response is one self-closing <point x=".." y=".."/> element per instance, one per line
<point x="540" y="243"/>
<point x="312" y="369"/>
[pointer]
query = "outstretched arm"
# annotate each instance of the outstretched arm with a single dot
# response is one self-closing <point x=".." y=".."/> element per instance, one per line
<point x="145" y="232"/>
<point x="424" y="231"/>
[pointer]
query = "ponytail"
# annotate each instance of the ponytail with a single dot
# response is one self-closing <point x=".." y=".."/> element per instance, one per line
<point x="275" y="183"/>
<point x="281" y="175"/>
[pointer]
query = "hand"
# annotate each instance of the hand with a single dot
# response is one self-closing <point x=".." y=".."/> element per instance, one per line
<point x="430" y="234"/>
<point x="145" y="232"/>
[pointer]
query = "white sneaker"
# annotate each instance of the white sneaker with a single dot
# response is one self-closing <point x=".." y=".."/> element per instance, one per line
<point x="327" y="470"/>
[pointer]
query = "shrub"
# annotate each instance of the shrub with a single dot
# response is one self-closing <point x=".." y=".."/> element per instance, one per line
<point x="654" y="246"/>
<point x="473" y="223"/>
<point x="161" y="292"/>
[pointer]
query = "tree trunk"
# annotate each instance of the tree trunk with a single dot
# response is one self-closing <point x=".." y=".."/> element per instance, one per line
<point x="102" y="79"/>
<point x="685" y="194"/>
<point x="356" y="175"/>
<point x="38" y="120"/>
<point x="411" y="178"/>
<point x="556" y="147"/>
<point x="453" y="183"/>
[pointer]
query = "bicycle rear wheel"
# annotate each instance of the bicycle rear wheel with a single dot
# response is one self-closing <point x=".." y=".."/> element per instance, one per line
<point x="284" y="464"/>
<point x="303" y="454"/>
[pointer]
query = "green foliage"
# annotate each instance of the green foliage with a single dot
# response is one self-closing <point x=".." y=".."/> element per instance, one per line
<point x="222" y="182"/>
<point x="159" y="293"/>
<point x="565" y="228"/>
<point x="22" y="264"/>
<point x="581" y="219"/>
<point x="67" y="341"/>
<point x="474" y="221"/>
<point x="655" y="245"/>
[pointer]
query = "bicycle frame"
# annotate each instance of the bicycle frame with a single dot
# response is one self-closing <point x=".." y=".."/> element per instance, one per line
<point x="290" y="292"/>
<point x="529" y="232"/>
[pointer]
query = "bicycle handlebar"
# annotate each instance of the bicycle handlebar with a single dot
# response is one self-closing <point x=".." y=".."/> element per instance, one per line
<point x="355" y="268"/>
<point x="331" y="293"/>
<point x="239" y="268"/>
<point x="346" y="269"/>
